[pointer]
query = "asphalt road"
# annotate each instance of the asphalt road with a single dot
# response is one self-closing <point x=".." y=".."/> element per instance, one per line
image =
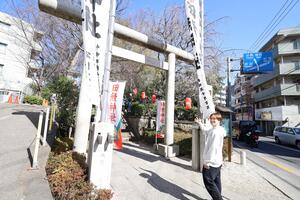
<point x="18" y="126"/>
<point x="283" y="162"/>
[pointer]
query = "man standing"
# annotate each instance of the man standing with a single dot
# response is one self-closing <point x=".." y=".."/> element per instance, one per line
<point x="212" y="155"/>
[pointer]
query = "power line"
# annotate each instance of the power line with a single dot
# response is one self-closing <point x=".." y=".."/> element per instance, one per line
<point x="280" y="20"/>
<point x="268" y="25"/>
<point x="273" y="24"/>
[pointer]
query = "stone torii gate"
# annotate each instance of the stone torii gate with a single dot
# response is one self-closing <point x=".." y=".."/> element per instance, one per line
<point x="97" y="18"/>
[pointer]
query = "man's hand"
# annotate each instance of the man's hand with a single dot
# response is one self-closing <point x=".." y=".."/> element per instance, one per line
<point x="205" y="166"/>
<point x="199" y="121"/>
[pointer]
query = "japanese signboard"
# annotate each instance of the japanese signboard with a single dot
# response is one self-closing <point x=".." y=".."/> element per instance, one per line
<point x="196" y="27"/>
<point x="160" y="115"/>
<point x="260" y="62"/>
<point x="116" y="91"/>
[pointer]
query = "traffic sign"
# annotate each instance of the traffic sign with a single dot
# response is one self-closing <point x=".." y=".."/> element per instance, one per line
<point x="260" y="62"/>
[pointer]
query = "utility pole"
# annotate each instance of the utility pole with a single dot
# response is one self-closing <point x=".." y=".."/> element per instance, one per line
<point x="229" y="106"/>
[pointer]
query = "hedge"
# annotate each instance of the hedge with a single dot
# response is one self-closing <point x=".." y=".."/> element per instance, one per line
<point x="33" y="100"/>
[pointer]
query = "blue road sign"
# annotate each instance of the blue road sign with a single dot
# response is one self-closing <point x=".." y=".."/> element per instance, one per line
<point x="260" y="62"/>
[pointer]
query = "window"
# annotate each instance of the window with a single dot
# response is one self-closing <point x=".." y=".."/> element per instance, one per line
<point x="297" y="44"/>
<point x="4" y="93"/>
<point x="297" y="130"/>
<point x="297" y="64"/>
<point x="3" y="48"/>
<point x="284" y="129"/>
<point x="290" y="131"/>
<point x="278" y="129"/>
<point x="298" y="87"/>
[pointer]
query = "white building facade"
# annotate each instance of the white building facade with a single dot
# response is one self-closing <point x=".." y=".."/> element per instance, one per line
<point x="220" y="97"/>
<point x="277" y="95"/>
<point x="243" y="99"/>
<point x="18" y="48"/>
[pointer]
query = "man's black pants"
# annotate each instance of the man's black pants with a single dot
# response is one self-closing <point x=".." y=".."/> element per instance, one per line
<point x="212" y="182"/>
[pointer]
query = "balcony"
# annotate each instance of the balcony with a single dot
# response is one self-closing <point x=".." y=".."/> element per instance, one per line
<point x="278" y="113"/>
<point x="263" y="78"/>
<point x="243" y="116"/>
<point x="278" y="90"/>
<point x="288" y="68"/>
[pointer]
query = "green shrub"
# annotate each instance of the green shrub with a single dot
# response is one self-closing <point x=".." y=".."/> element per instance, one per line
<point x="138" y="109"/>
<point x="62" y="144"/>
<point x="67" y="176"/>
<point x="151" y="109"/>
<point x="182" y="114"/>
<point x="36" y="100"/>
<point x="149" y="137"/>
<point x="67" y="99"/>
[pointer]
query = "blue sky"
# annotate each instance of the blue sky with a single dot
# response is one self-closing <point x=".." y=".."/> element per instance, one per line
<point x="245" y="20"/>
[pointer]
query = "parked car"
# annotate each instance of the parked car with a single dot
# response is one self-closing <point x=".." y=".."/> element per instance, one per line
<point x="241" y="128"/>
<point x="287" y="135"/>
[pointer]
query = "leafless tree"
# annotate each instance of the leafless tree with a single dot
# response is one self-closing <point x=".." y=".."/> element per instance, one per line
<point x="172" y="28"/>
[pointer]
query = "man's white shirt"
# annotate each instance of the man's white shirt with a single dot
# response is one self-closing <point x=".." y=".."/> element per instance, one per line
<point x="213" y="148"/>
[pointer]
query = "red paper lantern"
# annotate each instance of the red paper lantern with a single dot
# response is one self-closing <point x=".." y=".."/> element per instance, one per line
<point x="143" y="95"/>
<point x="153" y="98"/>
<point x="135" y="91"/>
<point x="188" y="103"/>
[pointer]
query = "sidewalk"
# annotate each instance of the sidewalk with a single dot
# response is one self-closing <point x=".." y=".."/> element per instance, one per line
<point x="138" y="174"/>
<point x="18" y="130"/>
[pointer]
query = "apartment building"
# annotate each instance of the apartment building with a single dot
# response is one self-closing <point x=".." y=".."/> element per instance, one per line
<point x="277" y="95"/>
<point x="220" y="97"/>
<point x="243" y="99"/>
<point x="18" y="49"/>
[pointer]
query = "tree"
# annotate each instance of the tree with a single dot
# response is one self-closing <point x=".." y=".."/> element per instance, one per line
<point x="172" y="28"/>
<point x="60" y="40"/>
<point x="67" y="99"/>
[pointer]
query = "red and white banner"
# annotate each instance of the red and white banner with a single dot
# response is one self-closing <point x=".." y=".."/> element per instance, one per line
<point x="116" y="92"/>
<point x="160" y="115"/>
<point x="196" y="27"/>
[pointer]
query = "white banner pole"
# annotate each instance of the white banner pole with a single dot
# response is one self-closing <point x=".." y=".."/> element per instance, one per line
<point x="196" y="26"/>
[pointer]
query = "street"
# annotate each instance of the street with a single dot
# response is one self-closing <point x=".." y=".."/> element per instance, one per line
<point x="280" y="161"/>
<point x="18" y="131"/>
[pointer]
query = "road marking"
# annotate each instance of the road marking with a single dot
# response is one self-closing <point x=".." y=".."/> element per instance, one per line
<point x="270" y="161"/>
<point x="279" y="165"/>
<point x="5" y="117"/>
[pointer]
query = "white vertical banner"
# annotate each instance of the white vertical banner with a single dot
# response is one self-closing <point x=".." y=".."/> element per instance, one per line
<point x="116" y="92"/>
<point x="100" y="14"/>
<point x="195" y="17"/>
<point x="160" y="115"/>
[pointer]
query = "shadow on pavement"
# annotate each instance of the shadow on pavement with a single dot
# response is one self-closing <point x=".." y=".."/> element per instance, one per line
<point x="165" y="186"/>
<point x="33" y="116"/>
<point x="149" y="157"/>
<point x="30" y="156"/>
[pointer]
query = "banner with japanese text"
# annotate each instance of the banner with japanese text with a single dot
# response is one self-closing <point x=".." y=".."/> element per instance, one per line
<point x="195" y="20"/>
<point x="160" y="115"/>
<point x="116" y="92"/>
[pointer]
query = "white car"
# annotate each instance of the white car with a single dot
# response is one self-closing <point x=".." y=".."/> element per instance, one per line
<point x="287" y="135"/>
